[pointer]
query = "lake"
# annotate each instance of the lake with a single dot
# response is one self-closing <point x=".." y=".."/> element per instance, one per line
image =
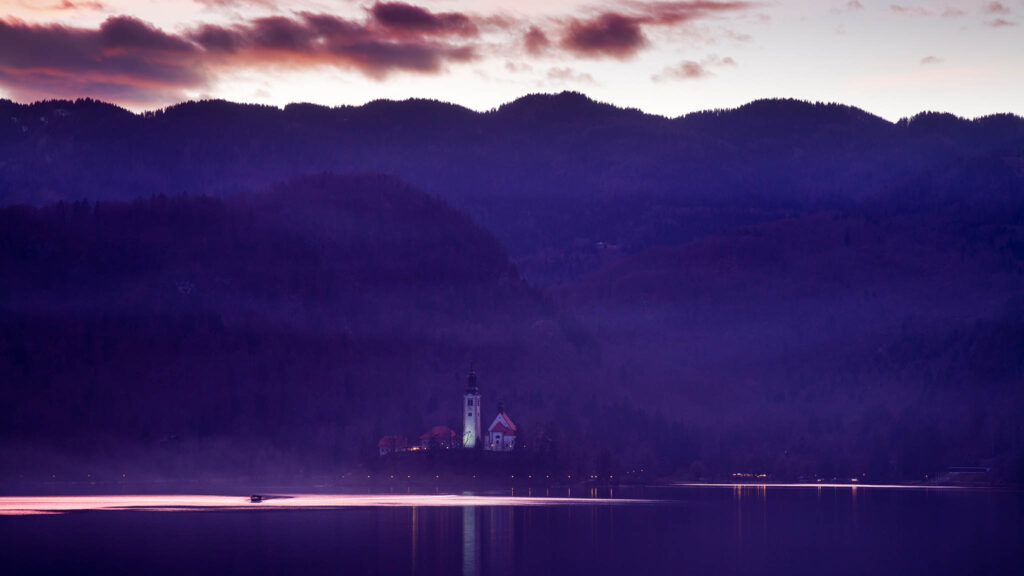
<point x="825" y="530"/>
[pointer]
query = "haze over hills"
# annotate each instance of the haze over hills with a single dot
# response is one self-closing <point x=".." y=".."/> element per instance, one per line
<point x="786" y="287"/>
<point x="901" y="317"/>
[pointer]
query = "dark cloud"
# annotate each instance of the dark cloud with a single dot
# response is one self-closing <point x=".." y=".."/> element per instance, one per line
<point x="132" y="62"/>
<point x="609" y="34"/>
<point x="536" y="41"/>
<point x="931" y="60"/>
<point x="621" y="35"/>
<point x="280" y="33"/>
<point x="671" y="13"/>
<point x="124" y="58"/>
<point x="217" y="38"/>
<point x="854" y="5"/>
<point x="125" y="32"/>
<point x="401" y="16"/>
<point x="325" y="39"/>
<point x="327" y="25"/>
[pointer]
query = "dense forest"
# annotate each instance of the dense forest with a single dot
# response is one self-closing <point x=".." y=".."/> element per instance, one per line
<point x="786" y="288"/>
<point x="278" y="330"/>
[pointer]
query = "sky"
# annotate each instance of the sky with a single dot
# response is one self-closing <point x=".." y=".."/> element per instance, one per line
<point x="894" y="59"/>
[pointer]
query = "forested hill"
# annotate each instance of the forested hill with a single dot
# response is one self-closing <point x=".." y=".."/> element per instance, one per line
<point x="552" y="176"/>
<point x="286" y="331"/>
<point x="889" y="335"/>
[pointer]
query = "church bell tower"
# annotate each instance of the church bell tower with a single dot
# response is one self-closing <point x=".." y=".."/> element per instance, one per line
<point x="471" y="412"/>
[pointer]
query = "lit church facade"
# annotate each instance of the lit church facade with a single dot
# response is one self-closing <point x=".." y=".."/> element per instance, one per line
<point x="500" y="435"/>
<point x="471" y="412"/>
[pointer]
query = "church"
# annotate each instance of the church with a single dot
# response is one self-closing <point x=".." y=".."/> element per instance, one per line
<point x="501" y="434"/>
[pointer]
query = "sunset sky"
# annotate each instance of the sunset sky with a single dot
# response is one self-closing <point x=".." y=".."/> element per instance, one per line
<point x="892" y="59"/>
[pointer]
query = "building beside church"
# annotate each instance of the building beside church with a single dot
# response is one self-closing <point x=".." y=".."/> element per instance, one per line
<point x="441" y="437"/>
<point x="501" y="434"/>
<point x="389" y="444"/>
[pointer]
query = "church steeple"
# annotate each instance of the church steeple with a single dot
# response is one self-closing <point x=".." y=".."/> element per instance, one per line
<point x="471" y="387"/>
<point x="471" y="411"/>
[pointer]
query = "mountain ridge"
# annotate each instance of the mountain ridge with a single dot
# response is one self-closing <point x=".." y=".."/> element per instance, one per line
<point x="550" y="175"/>
<point x="559" y="100"/>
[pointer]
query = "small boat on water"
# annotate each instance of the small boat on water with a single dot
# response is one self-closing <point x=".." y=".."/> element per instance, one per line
<point x="256" y="498"/>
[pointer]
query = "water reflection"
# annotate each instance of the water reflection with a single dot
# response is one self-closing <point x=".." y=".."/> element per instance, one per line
<point x="742" y="530"/>
<point x="490" y="537"/>
<point x="470" y="543"/>
<point x="415" y="537"/>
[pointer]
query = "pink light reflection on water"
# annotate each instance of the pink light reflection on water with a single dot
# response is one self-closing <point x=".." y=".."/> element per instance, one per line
<point x="25" y="505"/>
<point x="814" y="485"/>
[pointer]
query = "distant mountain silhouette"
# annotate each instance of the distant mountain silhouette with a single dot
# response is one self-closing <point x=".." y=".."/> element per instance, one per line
<point x="550" y="175"/>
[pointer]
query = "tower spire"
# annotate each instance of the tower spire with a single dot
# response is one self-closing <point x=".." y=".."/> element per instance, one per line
<point x="471" y="411"/>
<point x="471" y="380"/>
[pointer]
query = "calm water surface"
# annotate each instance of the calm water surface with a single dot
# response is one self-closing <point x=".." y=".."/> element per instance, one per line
<point x="669" y="530"/>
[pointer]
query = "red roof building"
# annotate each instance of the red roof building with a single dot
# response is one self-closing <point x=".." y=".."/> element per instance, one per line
<point x="439" y="437"/>
<point x="389" y="444"/>
<point x="501" y="434"/>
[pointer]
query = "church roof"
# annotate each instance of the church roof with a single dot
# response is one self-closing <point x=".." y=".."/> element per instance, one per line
<point x="442" y="432"/>
<point x="392" y="441"/>
<point x="502" y="423"/>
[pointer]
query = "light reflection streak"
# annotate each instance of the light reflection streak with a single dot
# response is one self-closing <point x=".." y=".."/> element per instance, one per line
<point x="22" y="505"/>
<point x="470" y="546"/>
<point x="763" y="486"/>
<point x="415" y="537"/>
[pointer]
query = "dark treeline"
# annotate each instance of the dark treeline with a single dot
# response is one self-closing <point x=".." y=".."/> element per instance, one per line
<point x="552" y="176"/>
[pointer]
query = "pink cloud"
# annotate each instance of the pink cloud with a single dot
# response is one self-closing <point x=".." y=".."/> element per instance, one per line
<point x="996" y="8"/>
<point x="620" y="34"/>
<point x="536" y="41"/>
<point x="1000" y="23"/>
